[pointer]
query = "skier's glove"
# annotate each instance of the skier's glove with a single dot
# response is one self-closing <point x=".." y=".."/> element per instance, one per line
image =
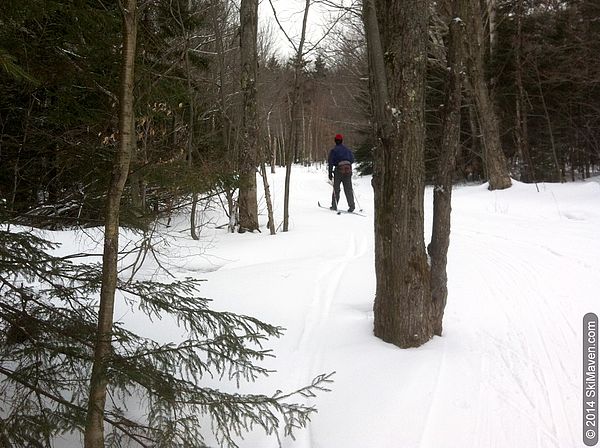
<point x="330" y="176"/>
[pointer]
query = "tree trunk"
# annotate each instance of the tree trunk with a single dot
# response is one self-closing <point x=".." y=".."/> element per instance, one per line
<point x="288" y="150"/>
<point x="559" y="167"/>
<point x="263" y="172"/>
<point x="493" y="156"/>
<point x="94" y="429"/>
<point x="190" y="140"/>
<point x="193" y="229"/>
<point x="231" y="210"/>
<point x="272" y="145"/>
<point x="526" y="167"/>
<point x="475" y="151"/>
<point x="293" y="141"/>
<point x="442" y="193"/>
<point x="398" y="30"/>
<point x="281" y="145"/>
<point x="291" y="148"/>
<point x="248" y="205"/>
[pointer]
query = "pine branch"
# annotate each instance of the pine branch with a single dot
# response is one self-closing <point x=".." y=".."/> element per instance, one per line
<point x="51" y="315"/>
<point x="121" y="425"/>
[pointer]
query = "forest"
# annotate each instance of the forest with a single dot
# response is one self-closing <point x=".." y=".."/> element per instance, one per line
<point x="120" y="114"/>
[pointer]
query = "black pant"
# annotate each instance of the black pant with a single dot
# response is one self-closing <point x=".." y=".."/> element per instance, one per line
<point x="346" y="180"/>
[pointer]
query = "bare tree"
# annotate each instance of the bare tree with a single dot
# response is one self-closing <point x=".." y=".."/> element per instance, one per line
<point x="295" y="134"/>
<point x="293" y="131"/>
<point x="94" y="429"/>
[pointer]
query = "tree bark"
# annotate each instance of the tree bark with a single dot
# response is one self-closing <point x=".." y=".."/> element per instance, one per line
<point x="449" y="148"/>
<point x="493" y="156"/>
<point x="263" y="172"/>
<point x="193" y="229"/>
<point x="94" y="429"/>
<point x="248" y="205"/>
<point x="271" y="146"/>
<point x="291" y="146"/>
<point x="492" y="6"/>
<point x="397" y="36"/>
<point x="475" y="151"/>
<point x="190" y="140"/>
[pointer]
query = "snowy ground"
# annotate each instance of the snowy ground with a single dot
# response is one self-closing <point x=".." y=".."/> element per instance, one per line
<point x="523" y="270"/>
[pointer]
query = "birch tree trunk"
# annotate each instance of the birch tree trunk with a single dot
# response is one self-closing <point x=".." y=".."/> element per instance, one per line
<point x="94" y="429"/>
<point x="248" y="206"/>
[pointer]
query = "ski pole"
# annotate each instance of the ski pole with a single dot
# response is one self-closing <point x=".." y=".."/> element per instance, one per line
<point x="333" y="198"/>
<point x="360" y="209"/>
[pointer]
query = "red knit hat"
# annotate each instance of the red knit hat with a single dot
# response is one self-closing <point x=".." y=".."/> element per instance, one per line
<point x="338" y="137"/>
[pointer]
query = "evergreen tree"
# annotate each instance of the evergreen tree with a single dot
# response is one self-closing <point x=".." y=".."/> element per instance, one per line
<point x="47" y="334"/>
<point x="59" y="109"/>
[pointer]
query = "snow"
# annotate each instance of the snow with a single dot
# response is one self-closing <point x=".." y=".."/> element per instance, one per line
<point x="523" y="270"/>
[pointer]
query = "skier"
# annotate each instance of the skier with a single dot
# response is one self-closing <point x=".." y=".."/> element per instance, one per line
<point x="341" y="159"/>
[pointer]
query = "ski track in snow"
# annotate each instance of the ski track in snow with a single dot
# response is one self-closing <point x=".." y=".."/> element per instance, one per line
<point x="521" y="379"/>
<point x="539" y="381"/>
<point x="311" y="346"/>
<point x="505" y="372"/>
<point x="430" y="424"/>
<point x="524" y="390"/>
<point x="540" y="365"/>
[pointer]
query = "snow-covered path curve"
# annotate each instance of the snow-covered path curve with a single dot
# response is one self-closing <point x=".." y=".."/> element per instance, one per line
<point x="523" y="270"/>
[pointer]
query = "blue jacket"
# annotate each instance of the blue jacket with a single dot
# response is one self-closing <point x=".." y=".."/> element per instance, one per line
<point x="339" y="153"/>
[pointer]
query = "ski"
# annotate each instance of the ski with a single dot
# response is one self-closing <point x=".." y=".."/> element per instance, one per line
<point x="339" y="212"/>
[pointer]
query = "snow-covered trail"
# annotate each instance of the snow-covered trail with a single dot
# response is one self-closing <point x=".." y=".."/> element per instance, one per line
<point x="521" y="279"/>
<point x="523" y="270"/>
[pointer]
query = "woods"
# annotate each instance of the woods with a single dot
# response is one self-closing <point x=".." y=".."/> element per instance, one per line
<point x="122" y="114"/>
<point x="526" y="104"/>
